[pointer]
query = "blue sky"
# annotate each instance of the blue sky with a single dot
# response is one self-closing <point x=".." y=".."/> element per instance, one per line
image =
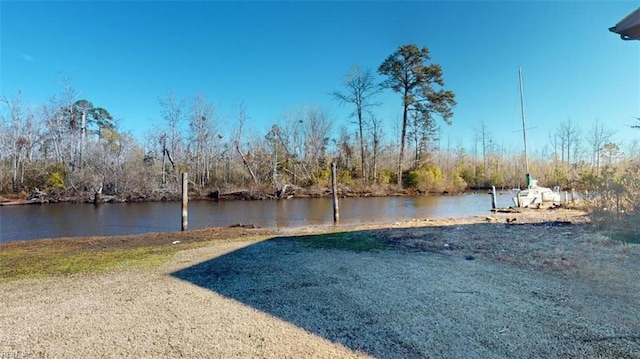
<point x="275" y="56"/>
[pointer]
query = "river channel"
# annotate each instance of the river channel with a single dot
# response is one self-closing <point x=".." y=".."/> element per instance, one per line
<point x="24" y="222"/>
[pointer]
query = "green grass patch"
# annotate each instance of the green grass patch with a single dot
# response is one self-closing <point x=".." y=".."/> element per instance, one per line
<point x="51" y="257"/>
<point x="630" y="237"/>
<point x="351" y="241"/>
<point x="42" y="262"/>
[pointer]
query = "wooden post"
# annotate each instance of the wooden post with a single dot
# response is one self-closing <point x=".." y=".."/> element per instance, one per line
<point x="334" y="189"/>
<point x="494" y="201"/>
<point x="97" y="196"/>
<point x="573" y="195"/>
<point x="185" y="201"/>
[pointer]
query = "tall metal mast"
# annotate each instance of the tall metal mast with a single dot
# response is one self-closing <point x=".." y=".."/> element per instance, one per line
<point x="524" y="131"/>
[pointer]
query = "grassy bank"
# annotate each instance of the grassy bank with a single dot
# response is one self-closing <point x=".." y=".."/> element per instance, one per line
<point x="66" y="256"/>
<point x="353" y="241"/>
<point x="18" y="263"/>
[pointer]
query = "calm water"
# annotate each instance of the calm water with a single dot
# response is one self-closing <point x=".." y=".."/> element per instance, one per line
<point x="69" y="220"/>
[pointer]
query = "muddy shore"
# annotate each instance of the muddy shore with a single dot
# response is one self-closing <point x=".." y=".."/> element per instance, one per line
<point x="39" y="197"/>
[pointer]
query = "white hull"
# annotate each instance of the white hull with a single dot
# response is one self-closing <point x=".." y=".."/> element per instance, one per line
<point x="532" y="197"/>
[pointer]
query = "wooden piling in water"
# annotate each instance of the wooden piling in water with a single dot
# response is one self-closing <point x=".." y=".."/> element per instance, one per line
<point x="185" y="202"/>
<point x="494" y="201"/>
<point x="334" y="189"/>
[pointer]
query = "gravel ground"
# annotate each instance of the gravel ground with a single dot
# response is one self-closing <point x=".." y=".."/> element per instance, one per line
<point x="543" y="289"/>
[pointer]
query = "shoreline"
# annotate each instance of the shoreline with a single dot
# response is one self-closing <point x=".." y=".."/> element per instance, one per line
<point x="233" y="195"/>
<point x="469" y="204"/>
<point x="524" y="216"/>
<point x="44" y="249"/>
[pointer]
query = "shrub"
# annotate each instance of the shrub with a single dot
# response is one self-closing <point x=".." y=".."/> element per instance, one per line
<point x="55" y="181"/>
<point x="613" y="202"/>
<point x="427" y="179"/>
<point x="56" y="175"/>
<point x="345" y="177"/>
<point x="387" y="177"/>
<point x="456" y="184"/>
<point x="410" y="179"/>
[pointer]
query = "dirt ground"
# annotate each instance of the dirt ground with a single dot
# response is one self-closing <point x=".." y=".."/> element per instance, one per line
<point x="546" y="285"/>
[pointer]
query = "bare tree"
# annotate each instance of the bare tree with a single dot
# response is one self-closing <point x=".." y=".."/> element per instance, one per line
<point x="21" y="135"/>
<point x="597" y="137"/>
<point x="376" y="133"/>
<point x="345" y="150"/>
<point x="634" y="148"/>
<point x="361" y="89"/>
<point x="570" y="135"/>
<point x="63" y="127"/>
<point x="242" y="117"/>
<point x="56" y="134"/>
<point x="484" y="137"/>
<point x="299" y="142"/>
<point x="317" y="127"/>
<point x="554" y="140"/>
<point x="292" y="135"/>
<point x="279" y="154"/>
<point x="202" y="134"/>
<point x="173" y="112"/>
<point x="14" y="140"/>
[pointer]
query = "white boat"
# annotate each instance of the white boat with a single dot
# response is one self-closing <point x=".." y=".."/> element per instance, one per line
<point x="533" y="195"/>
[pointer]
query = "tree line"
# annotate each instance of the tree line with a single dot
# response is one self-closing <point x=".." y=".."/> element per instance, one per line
<point x="70" y="146"/>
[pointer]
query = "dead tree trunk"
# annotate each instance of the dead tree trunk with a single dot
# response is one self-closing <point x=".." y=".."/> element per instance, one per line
<point x="246" y="164"/>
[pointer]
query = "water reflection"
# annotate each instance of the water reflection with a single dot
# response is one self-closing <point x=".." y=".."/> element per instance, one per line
<point x="68" y="220"/>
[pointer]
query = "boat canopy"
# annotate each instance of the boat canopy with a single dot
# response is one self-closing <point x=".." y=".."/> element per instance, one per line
<point x="629" y="27"/>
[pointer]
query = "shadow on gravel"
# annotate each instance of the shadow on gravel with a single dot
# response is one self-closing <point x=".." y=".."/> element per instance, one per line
<point x="346" y="287"/>
<point x="403" y="293"/>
